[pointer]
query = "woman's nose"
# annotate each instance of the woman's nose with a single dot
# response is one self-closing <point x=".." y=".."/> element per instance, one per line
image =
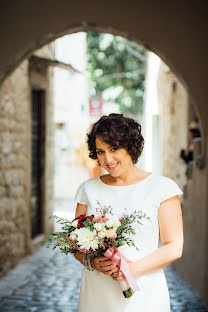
<point x="108" y="158"/>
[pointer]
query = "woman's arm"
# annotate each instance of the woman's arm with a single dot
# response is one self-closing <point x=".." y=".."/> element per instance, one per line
<point x="81" y="209"/>
<point x="171" y="235"/>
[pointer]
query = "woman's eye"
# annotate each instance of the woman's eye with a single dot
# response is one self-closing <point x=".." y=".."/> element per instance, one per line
<point x="114" y="149"/>
<point x="99" y="152"/>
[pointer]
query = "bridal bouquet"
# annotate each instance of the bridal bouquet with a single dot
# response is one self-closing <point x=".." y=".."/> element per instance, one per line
<point x="100" y="235"/>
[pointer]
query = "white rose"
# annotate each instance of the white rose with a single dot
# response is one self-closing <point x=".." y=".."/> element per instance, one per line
<point x="102" y="233"/>
<point x="98" y="226"/>
<point x="87" y="239"/>
<point x="94" y="245"/>
<point x="112" y="220"/>
<point x="109" y="223"/>
<point x="74" y="223"/>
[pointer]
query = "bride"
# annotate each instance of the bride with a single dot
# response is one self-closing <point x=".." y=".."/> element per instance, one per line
<point x="117" y="143"/>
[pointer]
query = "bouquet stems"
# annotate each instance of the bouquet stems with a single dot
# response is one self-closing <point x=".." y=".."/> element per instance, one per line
<point x="125" y="287"/>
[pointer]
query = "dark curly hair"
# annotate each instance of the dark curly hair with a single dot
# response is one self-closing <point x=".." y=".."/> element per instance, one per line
<point x="118" y="131"/>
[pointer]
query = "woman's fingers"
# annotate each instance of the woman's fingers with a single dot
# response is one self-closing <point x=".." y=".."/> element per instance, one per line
<point x="107" y="266"/>
<point x="107" y="263"/>
<point x="119" y="278"/>
<point x="108" y="269"/>
<point x="118" y="275"/>
<point x="115" y="270"/>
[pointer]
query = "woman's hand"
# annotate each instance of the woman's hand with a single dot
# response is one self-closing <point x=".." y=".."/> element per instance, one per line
<point x="118" y="275"/>
<point x="103" y="264"/>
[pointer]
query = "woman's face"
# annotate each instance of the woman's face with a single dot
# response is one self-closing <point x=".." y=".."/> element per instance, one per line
<point x="116" y="161"/>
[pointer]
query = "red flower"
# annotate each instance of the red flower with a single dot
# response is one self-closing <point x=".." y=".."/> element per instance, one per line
<point x="81" y="219"/>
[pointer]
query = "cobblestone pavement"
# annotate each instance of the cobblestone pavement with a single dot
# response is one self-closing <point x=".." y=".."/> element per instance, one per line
<point x="46" y="282"/>
<point x="49" y="281"/>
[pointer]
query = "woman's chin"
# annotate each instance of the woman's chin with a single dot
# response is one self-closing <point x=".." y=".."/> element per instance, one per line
<point x="114" y="173"/>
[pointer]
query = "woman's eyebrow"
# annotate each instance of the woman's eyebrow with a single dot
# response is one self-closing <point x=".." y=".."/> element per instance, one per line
<point x="98" y="149"/>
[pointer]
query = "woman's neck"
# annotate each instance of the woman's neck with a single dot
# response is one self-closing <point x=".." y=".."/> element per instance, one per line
<point x="129" y="177"/>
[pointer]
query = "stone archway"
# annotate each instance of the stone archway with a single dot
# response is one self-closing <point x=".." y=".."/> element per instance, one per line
<point x="167" y="29"/>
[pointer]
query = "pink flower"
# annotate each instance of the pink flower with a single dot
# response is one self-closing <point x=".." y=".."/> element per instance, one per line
<point x="102" y="233"/>
<point x="124" y="215"/>
<point x="99" y="219"/>
<point x="111" y="233"/>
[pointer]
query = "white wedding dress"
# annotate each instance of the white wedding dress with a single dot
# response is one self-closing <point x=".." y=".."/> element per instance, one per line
<point x="100" y="292"/>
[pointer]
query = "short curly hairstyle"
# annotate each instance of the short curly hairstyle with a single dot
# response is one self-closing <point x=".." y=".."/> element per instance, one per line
<point x="118" y="131"/>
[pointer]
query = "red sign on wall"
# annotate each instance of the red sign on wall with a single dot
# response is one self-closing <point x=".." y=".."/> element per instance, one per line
<point x="96" y="107"/>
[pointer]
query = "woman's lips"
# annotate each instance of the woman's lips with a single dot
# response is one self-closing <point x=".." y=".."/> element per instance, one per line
<point x="113" y="167"/>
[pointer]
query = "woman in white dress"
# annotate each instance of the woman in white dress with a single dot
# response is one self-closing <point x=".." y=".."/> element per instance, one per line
<point x="117" y="143"/>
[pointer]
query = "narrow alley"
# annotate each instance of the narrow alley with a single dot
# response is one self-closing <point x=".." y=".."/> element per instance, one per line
<point x="59" y="74"/>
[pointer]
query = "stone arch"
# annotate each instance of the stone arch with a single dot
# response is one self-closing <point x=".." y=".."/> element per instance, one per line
<point x="46" y="38"/>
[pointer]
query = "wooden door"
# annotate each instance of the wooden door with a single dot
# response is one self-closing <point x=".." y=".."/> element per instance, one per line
<point x="37" y="166"/>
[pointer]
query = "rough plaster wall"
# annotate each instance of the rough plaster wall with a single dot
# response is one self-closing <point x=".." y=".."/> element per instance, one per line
<point x="14" y="167"/>
<point x="175" y="114"/>
<point x="192" y="266"/>
<point x="173" y="101"/>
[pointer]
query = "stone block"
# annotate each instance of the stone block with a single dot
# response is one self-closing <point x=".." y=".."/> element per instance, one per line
<point x="15" y="177"/>
<point x="9" y="161"/>
<point x="5" y="142"/>
<point x="4" y="202"/>
<point x="6" y="227"/>
<point x="3" y="191"/>
<point x="16" y="191"/>
<point x="9" y="108"/>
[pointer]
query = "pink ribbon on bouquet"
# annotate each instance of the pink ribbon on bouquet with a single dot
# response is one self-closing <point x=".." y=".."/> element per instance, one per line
<point x="115" y="255"/>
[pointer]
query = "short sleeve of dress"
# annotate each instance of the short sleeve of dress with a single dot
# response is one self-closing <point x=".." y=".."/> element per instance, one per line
<point x="81" y="196"/>
<point x="168" y="189"/>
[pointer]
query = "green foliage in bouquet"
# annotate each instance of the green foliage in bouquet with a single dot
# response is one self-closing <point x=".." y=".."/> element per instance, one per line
<point x="124" y="230"/>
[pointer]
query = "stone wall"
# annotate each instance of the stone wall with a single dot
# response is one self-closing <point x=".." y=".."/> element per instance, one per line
<point x="15" y="163"/>
<point x="192" y="267"/>
<point x="173" y="101"/>
<point x="176" y="114"/>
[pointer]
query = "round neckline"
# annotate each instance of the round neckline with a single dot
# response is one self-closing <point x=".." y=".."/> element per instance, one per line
<point x="127" y="184"/>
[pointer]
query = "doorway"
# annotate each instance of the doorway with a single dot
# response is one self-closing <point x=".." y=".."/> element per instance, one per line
<point x="37" y="161"/>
